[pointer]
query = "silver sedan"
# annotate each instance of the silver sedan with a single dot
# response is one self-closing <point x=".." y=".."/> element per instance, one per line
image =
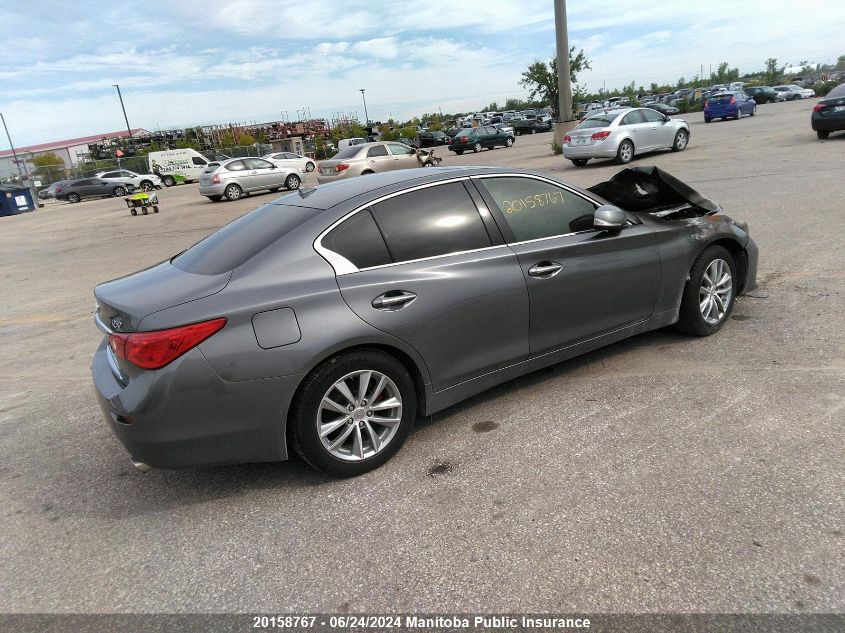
<point x="624" y="133"/>
<point x="234" y="177"/>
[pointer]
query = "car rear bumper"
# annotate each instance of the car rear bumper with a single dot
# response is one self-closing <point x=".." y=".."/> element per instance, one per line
<point x="213" y="189"/>
<point x="829" y="123"/>
<point x="598" y="150"/>
<point x="185" y="415"/>
<point x="346" y="173"/>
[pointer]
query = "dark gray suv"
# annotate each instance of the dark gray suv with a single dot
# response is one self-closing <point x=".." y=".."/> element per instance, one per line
<point x="329" y="319"/>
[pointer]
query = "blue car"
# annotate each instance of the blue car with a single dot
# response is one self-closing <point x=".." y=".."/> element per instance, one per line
<point x="732" y="104"/>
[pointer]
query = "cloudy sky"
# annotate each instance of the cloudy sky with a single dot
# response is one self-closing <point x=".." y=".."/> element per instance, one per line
<point x="188" y="63"/>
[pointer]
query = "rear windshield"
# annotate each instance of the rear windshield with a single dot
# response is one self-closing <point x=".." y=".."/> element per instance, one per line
<point x="724" y="96"/>
<point x="349" y="152"/>
<point x="242" y="239"/>
<point x="466" y="132"/>
<point x="600" y="120"/>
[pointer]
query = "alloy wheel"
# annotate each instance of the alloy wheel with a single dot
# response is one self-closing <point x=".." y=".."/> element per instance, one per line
<point x="681" y="143"/>
<point x="715" y="291"/>
<point x="359" y="415"/>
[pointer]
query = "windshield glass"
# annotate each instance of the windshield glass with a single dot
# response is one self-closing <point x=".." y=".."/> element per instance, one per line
<point x="600" y="120"/>
<point x="725" y="96"/>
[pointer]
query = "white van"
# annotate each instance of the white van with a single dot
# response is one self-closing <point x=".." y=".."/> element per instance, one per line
<point x="349" y="142"/>
<point x="175" y="166"/>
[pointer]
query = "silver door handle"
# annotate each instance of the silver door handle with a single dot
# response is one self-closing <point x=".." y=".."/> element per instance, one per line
<point x="393" y="300"/>
<point x="545" y="269"/>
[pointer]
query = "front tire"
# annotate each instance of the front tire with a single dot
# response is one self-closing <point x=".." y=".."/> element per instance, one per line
<point x="709" y="294"/>
<point x="580" y="162"/>
<point x="822" y="134"/>
<point x="146" y="185"/>
<point x="509" y="142"/>
<point x="625" y="153"/>
<point x="681" y="141"/>
<point x="233" y="192"/>
<point x="292" y="182"/>
<point x="353" y="413"/>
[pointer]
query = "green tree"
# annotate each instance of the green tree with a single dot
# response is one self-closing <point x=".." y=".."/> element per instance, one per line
<point x="541" y="78"/>
<point x="246" y="139"/>
<point x="840" y="62"/>
<point x="773" y="71"/>
<point x="47" y="165"/>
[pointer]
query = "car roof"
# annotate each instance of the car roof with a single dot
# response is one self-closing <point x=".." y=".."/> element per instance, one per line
<point x="332" y="194"/>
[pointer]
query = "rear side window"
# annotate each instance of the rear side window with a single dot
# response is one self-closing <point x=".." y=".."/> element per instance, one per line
<point x="238" y="165"/>
<point x="349" y="152"/>
<point x="377" y="150"/>
<point x="432" y="221"/>
<point x="359" y="240"/>
<point x="242" y="239"/>
<point x="635" y="116"/>
<point x="535" y="209"/>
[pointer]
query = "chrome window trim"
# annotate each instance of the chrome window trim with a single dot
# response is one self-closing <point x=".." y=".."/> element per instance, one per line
<point x="343" y="266"/>
<point x="548" y="181"/>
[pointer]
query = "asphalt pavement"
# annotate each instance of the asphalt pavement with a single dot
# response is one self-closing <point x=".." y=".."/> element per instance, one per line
<point x="661" y="474"/>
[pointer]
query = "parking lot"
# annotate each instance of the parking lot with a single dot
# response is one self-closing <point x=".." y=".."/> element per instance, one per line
<point x="661" y="474"/>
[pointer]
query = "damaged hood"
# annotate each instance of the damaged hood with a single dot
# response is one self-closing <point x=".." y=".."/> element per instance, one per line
<point x="651" y="190"/>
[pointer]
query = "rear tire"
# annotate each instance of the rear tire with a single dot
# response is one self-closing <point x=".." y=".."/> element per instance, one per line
<point x="306" y="411"/>
<point x="459" y="152"/>
<point x="738" y="114"/>
<point x="118" y="192"/>
<point x="168" y="181"/>
<point x="690" y="317"/>
<point x="822" y="134"/>
<point x="73" y="197"/>
<point x="233" y="192"/>
<point x="215" y="198"/>
<point x="133" y="211"/>
<point x="706" y="120"/>
<point x="146" y="185"/>
<point x="625" y="153"/>
<point x="309" y="166"/>
<point x="580" y="162"/>
<point x="753" y="110"/>
<point x="477" y="148"/>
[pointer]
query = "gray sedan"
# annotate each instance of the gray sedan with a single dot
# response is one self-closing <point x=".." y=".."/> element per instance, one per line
<point x="624" y="133"/>
<point x="328" y="320"/>
<point x="236" y="176"/>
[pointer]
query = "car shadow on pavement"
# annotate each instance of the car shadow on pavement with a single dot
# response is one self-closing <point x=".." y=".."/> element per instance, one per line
<point x="123" y="492"/>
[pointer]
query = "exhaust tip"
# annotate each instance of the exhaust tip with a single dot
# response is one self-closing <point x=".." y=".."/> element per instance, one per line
<point x="141" y="466"/>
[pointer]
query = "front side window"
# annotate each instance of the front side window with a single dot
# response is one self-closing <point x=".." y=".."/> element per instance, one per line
<point x="535" y="209"/>
<point x="651" y="116"/>
<point x="111" y="174"/>
<point x="359" y="240"/>
<point x="196" y="160"/>
<point x="257" y="163"/>
<point x="431" y="221"/>
<point x="397" y="149"/>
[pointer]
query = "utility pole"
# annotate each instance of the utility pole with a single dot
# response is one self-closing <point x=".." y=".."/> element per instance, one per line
<point x="14" y="153"/>
<point x="366" y="116"/>
<point x="125" y="118"/>
<point x="564" y="105"/>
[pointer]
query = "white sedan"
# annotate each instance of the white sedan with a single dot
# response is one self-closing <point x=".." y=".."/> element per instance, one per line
<point x="291" y="161"/>
<point x="145" y="182"/>
<point x="792" y="92"/>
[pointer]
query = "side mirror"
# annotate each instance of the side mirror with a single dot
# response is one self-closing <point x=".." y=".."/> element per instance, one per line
<point x="609" y="218"/>
<point x="273" y="166"/>
<point x="666" y="118"/>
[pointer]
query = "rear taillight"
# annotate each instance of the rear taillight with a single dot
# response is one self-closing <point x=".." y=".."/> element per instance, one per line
<point x="154" y="350"/>
<point x="819" y="107"/>
<point x="216" y="179"/>
<point x="732" y="101"/>
<point x="464" y="139"/>
<point x="600" y="136"/>
<point x="567" y="139"/>
<point x="341" y="167"/>
<point x="58" y="189"/>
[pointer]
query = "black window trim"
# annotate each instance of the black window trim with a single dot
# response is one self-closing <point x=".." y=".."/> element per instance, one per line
<point x="504" y="227"/>
<point x="343" y="266"/>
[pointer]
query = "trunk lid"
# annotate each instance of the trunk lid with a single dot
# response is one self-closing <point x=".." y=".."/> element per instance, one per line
<point x="123" y="303"/>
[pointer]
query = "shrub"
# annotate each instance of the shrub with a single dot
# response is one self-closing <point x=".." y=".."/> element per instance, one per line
<point x="557" y="149"/>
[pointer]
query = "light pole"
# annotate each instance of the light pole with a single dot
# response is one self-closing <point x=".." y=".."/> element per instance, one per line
<point x="125" y="118"/>
<point x="366" y="116"/>
<point x="564" y="110"/>
<point x="14" y="153"/>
